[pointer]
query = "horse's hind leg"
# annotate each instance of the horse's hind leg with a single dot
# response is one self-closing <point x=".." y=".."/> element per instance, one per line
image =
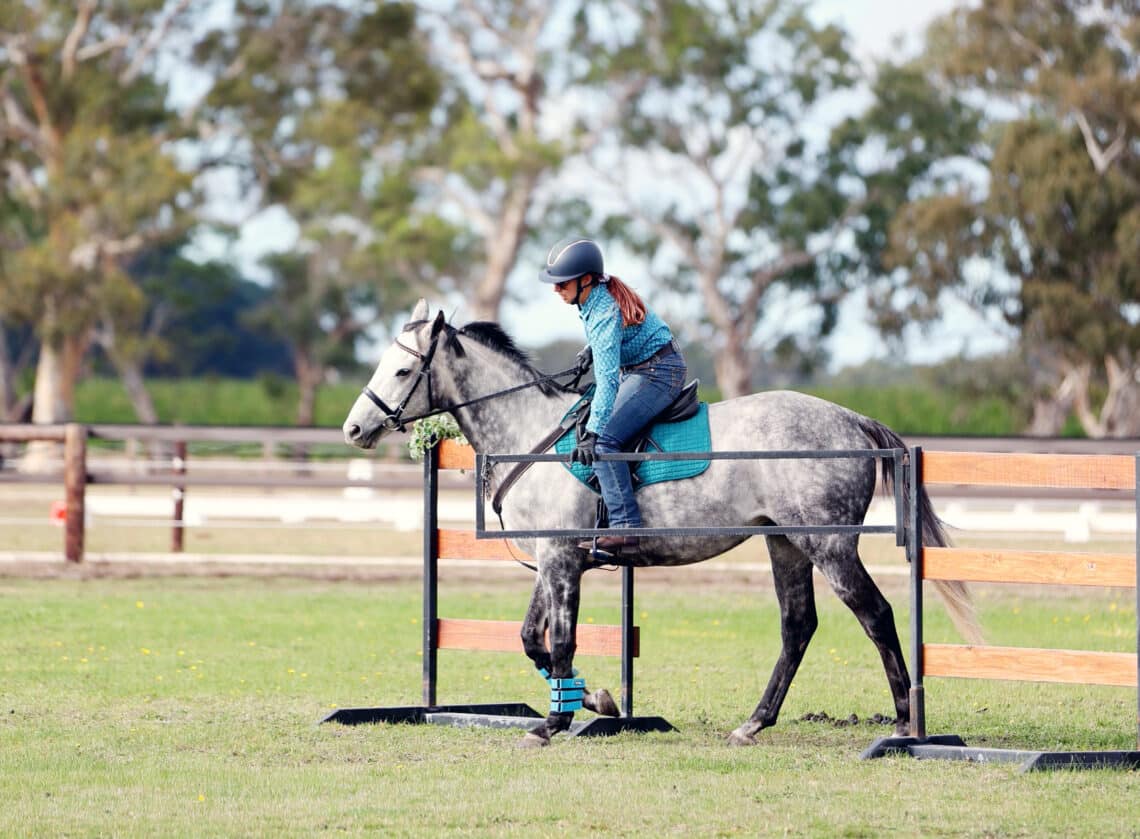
<point x="791" y="571"/>
<point x="845" y="572"/>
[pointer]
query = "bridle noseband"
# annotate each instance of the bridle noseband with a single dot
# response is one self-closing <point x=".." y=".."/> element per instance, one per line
<point x="394" y="420"/>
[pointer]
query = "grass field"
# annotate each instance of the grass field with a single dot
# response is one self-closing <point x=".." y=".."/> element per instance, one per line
<point x="188" y="707"/>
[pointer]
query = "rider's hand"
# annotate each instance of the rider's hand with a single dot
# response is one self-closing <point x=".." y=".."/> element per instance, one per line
<point x="585" y="359"/>
<point x="584" y="451"/>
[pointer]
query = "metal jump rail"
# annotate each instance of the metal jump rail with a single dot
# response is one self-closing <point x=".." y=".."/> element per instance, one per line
<point x="485" y="462"/>
<point x="519" y="714"/>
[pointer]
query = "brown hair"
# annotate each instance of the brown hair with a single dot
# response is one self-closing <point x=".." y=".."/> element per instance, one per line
<point x="631" y="305"/>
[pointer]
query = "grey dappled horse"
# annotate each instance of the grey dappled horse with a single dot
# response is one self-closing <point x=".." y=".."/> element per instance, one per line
<point x="433" y="366"/>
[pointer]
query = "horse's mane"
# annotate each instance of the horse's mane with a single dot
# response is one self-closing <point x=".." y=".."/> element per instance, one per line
<point x="492" y="336"/>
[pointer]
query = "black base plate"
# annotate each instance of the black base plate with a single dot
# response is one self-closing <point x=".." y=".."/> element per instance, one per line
<point x="492" y="715"/>
<point x="951" y="747"/>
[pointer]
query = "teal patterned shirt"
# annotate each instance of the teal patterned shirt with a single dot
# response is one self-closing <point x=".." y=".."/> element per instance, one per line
<point x="615" y="346"/>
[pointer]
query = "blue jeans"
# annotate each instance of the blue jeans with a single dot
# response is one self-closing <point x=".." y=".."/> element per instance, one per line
<point x="643" y="393"/>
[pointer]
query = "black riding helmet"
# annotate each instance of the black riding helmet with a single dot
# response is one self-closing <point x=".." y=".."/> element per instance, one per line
<point x="572" y="258"/>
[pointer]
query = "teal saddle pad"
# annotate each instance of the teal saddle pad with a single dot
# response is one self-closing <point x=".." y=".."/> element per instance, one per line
<point x="691" y="435"/>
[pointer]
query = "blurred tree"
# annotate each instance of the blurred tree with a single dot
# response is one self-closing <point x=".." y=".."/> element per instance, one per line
<point x="737" y="204"/>
<point x="87" y="154"/>
<point x="530" y="84"/>
<point x="1048" y="231"/>
<point x="200" y="319"/>
<point x="320" y="109"/>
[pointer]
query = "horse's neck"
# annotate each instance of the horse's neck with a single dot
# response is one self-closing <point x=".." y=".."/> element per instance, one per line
<point x="512" y="423"/>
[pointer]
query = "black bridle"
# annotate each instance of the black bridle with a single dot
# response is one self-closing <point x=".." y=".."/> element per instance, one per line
<point x="395" y="420"/>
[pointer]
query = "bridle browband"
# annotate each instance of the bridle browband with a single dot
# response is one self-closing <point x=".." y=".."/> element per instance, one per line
<point x="395" y="420"/>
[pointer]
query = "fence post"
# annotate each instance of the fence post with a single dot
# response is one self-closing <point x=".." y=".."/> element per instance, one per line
<point x="74" y="489"/>
<point x="431" y="571"/>
<point x="914" y="554"/>
<point x="177" y="537"/>
<point x="627" y="641"/>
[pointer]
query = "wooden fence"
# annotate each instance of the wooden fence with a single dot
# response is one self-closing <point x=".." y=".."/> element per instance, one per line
<point x="1066" y="666"/>
<point x="77" y="472"/>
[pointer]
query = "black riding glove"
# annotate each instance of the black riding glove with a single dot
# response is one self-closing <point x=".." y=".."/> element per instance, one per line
<point x="585" y="359"/>
<point x="584" y="451"/>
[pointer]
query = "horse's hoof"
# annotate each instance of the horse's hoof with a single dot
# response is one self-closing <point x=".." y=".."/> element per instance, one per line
<point x="533" y="741"/>
<point x="739" y="738"/>
<point x="601" y="702"/>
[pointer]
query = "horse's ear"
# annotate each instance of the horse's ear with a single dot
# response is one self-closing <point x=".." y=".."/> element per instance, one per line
<point x="439" y="323"/>
<point x="420" y="312"/>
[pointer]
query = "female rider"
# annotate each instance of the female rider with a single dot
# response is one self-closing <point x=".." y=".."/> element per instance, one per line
<point x="638" y="372"/>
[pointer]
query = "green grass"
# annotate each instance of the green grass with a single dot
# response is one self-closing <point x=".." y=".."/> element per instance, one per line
<point x="187" y="707"/>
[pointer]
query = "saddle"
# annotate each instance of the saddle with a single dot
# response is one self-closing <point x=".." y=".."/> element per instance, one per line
<point x="683" y="413"/>
<point x="682" y="426"/>
<point x="685" y="406"/>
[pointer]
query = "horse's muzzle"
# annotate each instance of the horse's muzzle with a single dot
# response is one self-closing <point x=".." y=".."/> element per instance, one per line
<point x="354" y="436"/>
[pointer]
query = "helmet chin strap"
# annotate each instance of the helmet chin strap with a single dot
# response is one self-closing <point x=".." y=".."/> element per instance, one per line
<point x="580" y="289"/>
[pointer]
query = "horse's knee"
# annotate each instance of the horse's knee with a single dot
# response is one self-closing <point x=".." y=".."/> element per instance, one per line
<point x="798" y="633"/>
<point x="534" y="645"/>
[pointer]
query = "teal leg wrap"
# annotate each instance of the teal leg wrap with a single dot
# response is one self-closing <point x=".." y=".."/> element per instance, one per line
<point x="565" y="694"/>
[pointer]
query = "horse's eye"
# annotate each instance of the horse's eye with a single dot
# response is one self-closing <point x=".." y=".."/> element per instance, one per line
<point x="403" y="371"/>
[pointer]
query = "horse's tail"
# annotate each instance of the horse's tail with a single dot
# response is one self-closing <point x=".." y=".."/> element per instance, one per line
<point x="954" y="593"/>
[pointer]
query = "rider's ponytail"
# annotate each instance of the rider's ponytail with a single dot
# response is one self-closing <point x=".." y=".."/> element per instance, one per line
<point x="631" y="305"/>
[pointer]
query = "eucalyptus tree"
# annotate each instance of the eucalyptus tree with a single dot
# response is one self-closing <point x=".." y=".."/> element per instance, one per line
<point x="715" y="175"/>
<point x="87" y="163"/>
<point x="531" y="84"/>
<point x="318" y="109"/>
<point x="1046" y="228"/>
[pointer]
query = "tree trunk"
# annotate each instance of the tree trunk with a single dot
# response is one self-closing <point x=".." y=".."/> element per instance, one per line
<point x="1123" y="420"/>
<point x="54" y="398"/>
<point x="131" y="375"/>
<point x="733" y="366"/>
<point x="503" y="250"/>
<point x="1050" y="412"/>
<point x="130" y="372"/>
<point x="309" y="374"/>
<point x="48" y="404"/>
<point x="1049" y="416"/>
<point x="48" y="408"/>
<point x="1120" y="414"/>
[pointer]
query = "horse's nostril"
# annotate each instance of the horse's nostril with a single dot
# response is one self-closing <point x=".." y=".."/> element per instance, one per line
<point x="354" y="431"/>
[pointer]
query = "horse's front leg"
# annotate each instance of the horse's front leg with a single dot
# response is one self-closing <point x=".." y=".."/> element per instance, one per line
<point x="554" y="608"/>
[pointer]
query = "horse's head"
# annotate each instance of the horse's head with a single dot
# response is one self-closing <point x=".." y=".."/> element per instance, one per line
<point x="400" y="389"/>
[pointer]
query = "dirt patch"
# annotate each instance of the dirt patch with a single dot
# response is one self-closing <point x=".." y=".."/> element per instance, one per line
<point x="496" y="576"/>
<point x="845" y="722"/>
